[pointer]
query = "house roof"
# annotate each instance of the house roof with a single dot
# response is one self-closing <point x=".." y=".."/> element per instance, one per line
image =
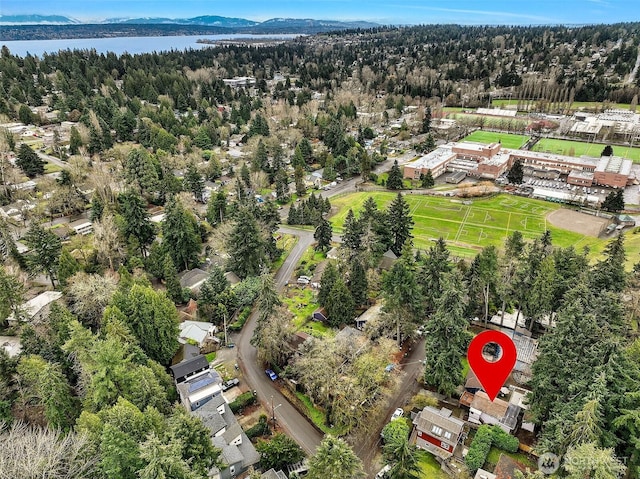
<point x="193" y="278"/>
<point x="371" y="313"/>
<point x="232" y="432"/>
<point x="232" y="277"/>
<point x="35" y="305"/>
<point x="472" y="381"/>
<point x="211" y="420"/>
<point x="431" y="416"/>
<point x="506" y="467"/>
<point x="195" y="330"/>
<point x="273" y="474"/>
<point x="390" y="254"/>
<point x="189" y="366"/>
<point x="482" y="474"/>
<point x="496" y="408"/>
<point x="11" y="345"/>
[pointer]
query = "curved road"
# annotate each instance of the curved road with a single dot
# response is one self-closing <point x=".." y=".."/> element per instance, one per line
<point x="288" y="417"/>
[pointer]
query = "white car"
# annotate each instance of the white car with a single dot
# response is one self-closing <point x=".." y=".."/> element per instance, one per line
<point x="382" y="473"/>
<point x="399" y="412"/>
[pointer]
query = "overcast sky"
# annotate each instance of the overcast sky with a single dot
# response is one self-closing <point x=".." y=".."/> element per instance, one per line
<point x="381" y="11"/>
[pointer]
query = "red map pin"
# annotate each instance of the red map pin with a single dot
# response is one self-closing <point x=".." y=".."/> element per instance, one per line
<point x="492" y="375"/>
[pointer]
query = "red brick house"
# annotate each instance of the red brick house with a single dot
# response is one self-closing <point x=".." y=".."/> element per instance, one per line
<point x="437" y="432"/>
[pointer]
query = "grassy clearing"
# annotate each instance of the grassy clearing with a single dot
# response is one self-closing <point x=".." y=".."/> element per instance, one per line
<point x="576" y="105"/>
<point x="317" y="416"/>
<point x="51" y="168"/>
<point x="210" y="356"/>
<point x="580" y="148"/>
<point x="465" y="367"/>
<point x="286" y="243"/>
<point x="302" y="303"/>
<point x="430" y="468"/>
<point x="507" y="140"/>
<point x="468" y="228"/>
<point x="309" y="262"/>
<point x="502" y="123"/>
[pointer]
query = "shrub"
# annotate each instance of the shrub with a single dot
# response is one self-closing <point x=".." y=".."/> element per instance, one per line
<point x="260" y="429"/>
<point x="242" y="318"/>
<point x="242" y="401"/>
<point x="505" y="441"/>
<point x="479" y="449"/>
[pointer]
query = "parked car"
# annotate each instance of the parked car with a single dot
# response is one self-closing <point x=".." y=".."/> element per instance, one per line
<point x="273" y="376"/>
<point x="230" y="383"/>
<point x="382" y="473"/>
<point x="399" y="412"/>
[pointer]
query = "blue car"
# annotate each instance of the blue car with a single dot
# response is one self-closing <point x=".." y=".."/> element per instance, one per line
<point x="271" y="374"/>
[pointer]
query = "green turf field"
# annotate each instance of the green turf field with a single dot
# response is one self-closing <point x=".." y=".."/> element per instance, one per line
<point x="468" y="228"/>
<point x="508" y="140"/>
<point x="489" y="121"/>
<point x="579" y="148"/>
<point x="586" y="105"/>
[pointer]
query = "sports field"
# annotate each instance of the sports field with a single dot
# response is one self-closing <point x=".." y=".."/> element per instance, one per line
<point x="508" y="140"/>
<point x="576" y="105"/>
<point x="470" y="225"/>
<point x="579" y="148"/>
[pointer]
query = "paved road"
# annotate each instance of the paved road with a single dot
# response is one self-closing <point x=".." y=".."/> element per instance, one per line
<point x="52" y="159"/>
<point x="294" y="423"/>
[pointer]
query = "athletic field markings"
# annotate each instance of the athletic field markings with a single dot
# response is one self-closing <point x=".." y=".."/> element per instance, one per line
<point x="508" y="224"/>
<point x="462" y="224"/>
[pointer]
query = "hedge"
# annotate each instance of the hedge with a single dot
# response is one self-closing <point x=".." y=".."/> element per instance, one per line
<point x="479" y="449"/>
<point x="261" y="428"/>
<point x="482" y="442"/>
<point x="242" y="401"/>
<point x="505" y="441"/>
<point x="242" y="318"/>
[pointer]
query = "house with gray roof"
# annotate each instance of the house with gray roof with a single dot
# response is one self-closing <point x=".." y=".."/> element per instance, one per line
<point x="36" y="309"/>
<point x="438" y="432"/>
<point x="199" y="332"/>
<point x="193" y="279"/>
<point x="238" y="454"/>
<point x="273" y="474"/>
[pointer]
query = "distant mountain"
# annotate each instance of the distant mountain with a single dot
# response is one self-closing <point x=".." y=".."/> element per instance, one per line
<point x="212" y="20"/>
<point x="37" y="20"/>
<point x="314" y="24"/>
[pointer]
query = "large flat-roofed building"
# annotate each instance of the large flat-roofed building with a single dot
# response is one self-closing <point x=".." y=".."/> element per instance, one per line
<point x="613" y="171"/>
<point x="435" y="161"/>
<point x="491" y="161"/>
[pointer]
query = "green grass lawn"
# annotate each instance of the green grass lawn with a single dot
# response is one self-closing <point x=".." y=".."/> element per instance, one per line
<point x="489" y="121"/>
<point x="317" y="416"/>
<point x="430" y="468"/>
<point x="579" y="148"/>
<point x="309" y="261"/>
<point x="576" y="105"/>
<point x="51" y="168"/>
<point x="468" y="228"/>
<point x="210" y="356"/>
<point x="286" y="243"/>
<point x="507" y="140"/>
<point x="495" y="453"/>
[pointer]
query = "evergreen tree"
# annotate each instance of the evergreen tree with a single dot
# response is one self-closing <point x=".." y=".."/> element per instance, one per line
<point x="516" y="173"/>
<point x="426" y="180"/>
<point x="45" y="252"/>
<point x="323" y="235"/>
<point x="246" y="246"/>
<point x="217" y="208"/>
<point x="136" y="220"/>
<point x="194" y="182"/>
<point x="400" y="223"/>
<point x="395" y="181"/>
<point x="260" y="159"/>
<point x="67" y="267"/>
<point x="279" y="452"/>
<point x="75" y="141"/>
<point x="328" y="279"/>
<point x="152" y="318"/>
<point x="259" y="126"/>
<point x="334" y="458"/>
<point x="97" y="207"/>
<point x="426" y="121"/>
<point x="174" y="290"/>
<point x="433" y="266"/>
<point x="282" y="186"/>
<point x="298" y="174"/>
<point x="29" y="161"/>
<point x="339" y="304"/>
<point x="614" y="201"/>
<point x="11" y="297"/>
<point x="609" y="274"/>
<point x="352" y="235"/>
<point x="180" y="234"/>
<point x="358" y="284"/>
<point x="141" y="170"/>
<point x="448" y="338"/>
<point x="245" y="175"/>
<point x="607" y="151"/>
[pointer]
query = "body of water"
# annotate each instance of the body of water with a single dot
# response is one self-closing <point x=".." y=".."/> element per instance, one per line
<point x="132" y="45"/>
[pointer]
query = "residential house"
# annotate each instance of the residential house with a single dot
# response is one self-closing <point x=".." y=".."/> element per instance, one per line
<point x="438" y="432"/>
<point x="185" y="370"/>
<point x="388" y="260"/>
<point x="232" y="278"/>
<point x="371" y="313"/>
<point x="482" y="474"/>
<point x="193" y="279"/>
<point x="238" y="454"/>
<point x="199" y="333"/>
<point x="36" y="309"/>
<point x="81" y="227"/>
<point x="200" y="389"/>
<point x="485" y="411"/>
